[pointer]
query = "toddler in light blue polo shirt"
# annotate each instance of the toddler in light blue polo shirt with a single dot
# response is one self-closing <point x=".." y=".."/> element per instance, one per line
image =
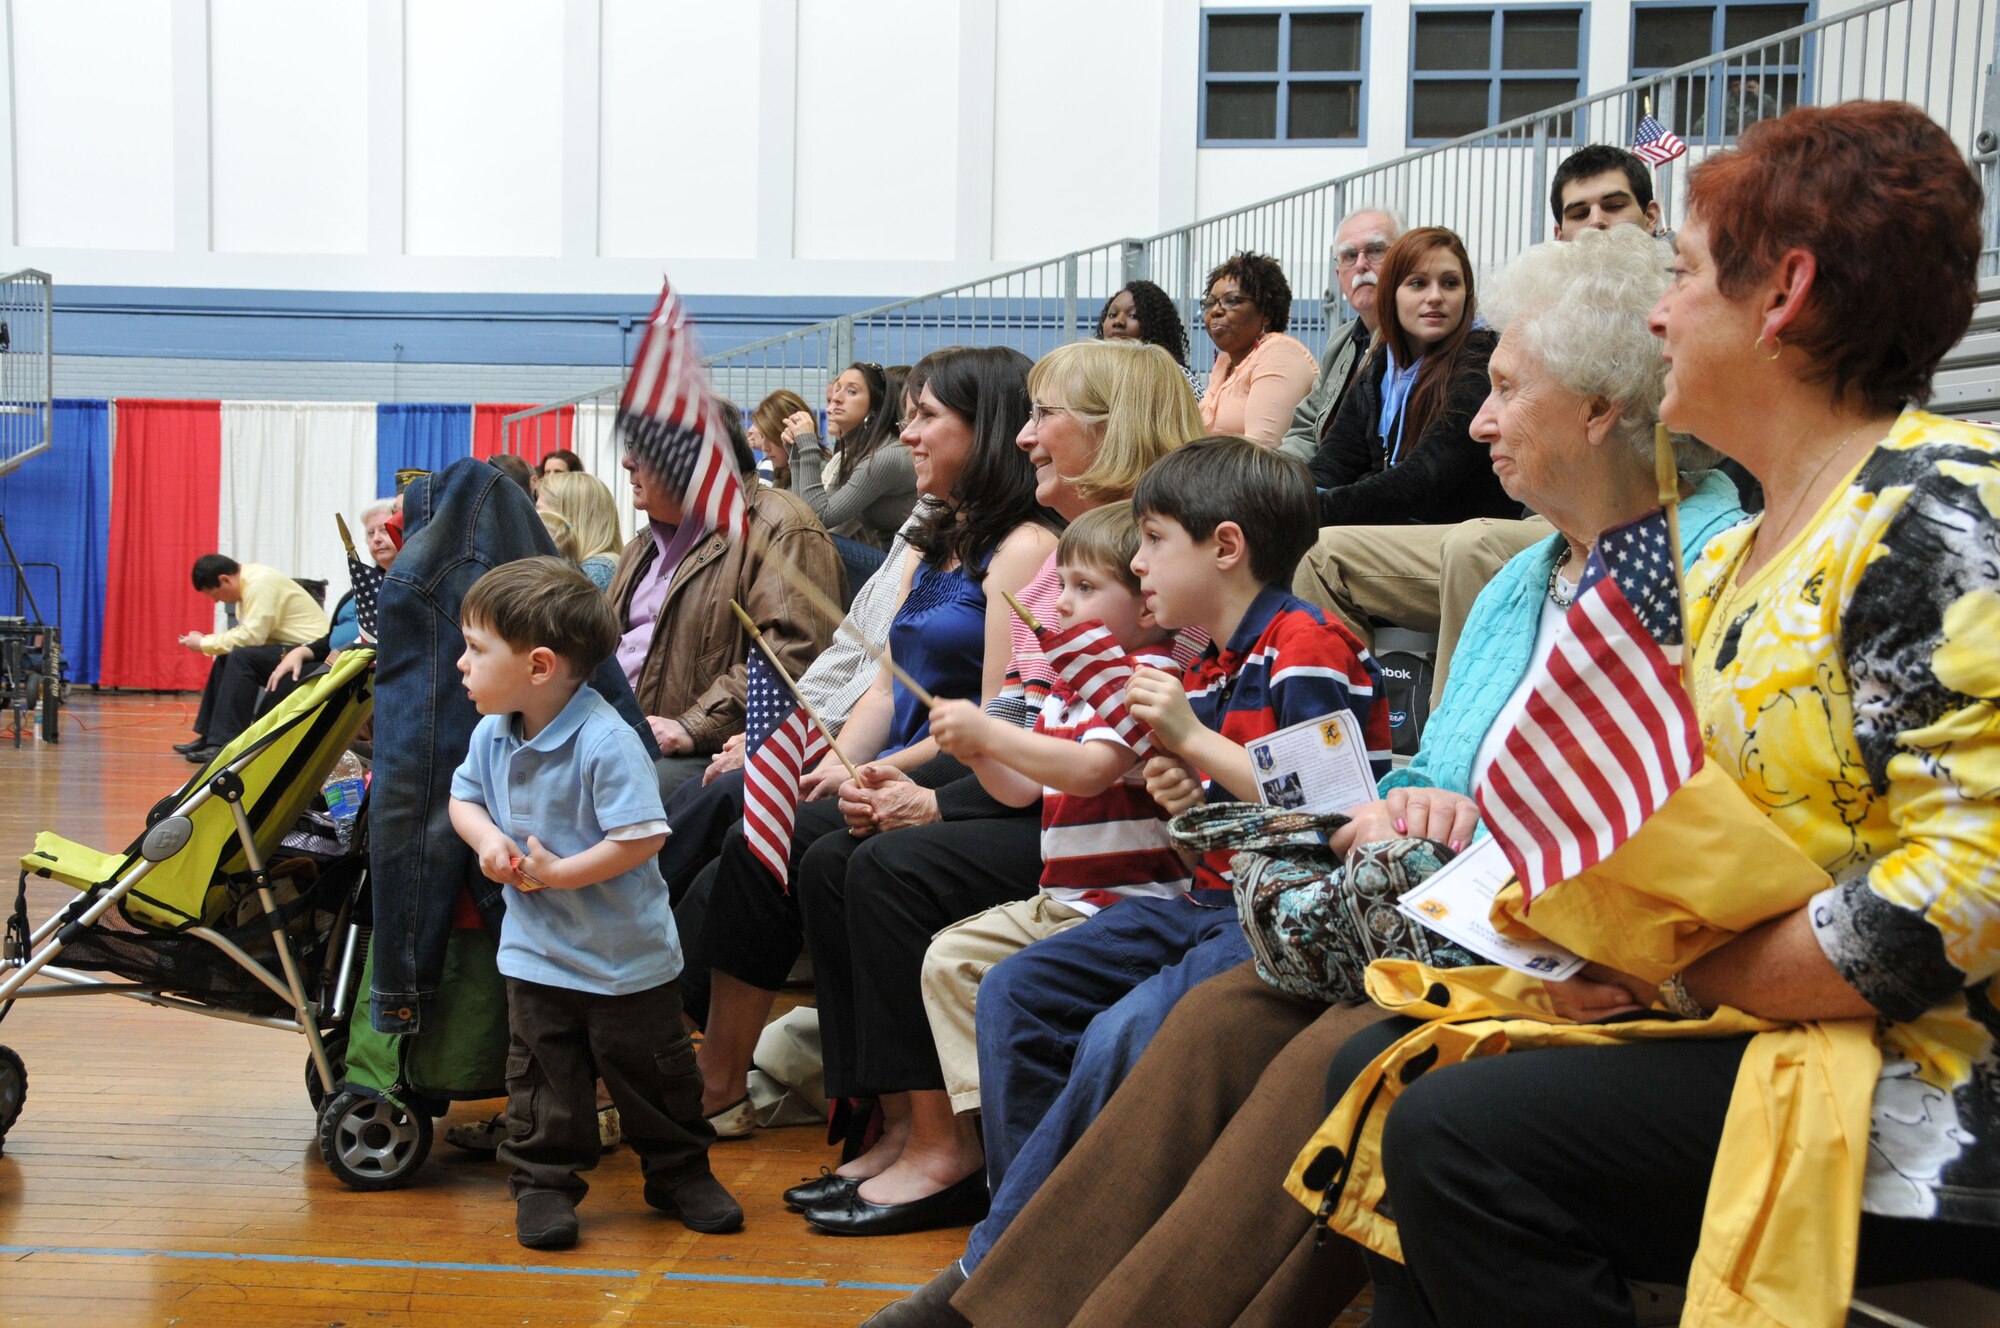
<point x="559" y="801"/>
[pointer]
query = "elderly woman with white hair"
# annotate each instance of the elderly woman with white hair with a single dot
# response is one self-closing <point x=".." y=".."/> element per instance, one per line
<point x="1174" y="1197"/>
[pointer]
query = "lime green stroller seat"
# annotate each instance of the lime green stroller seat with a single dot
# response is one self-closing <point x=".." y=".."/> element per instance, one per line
<point x="200" y="922"/>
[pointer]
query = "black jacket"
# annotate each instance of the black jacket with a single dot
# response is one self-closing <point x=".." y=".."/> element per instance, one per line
<point x="1443" y="478"/>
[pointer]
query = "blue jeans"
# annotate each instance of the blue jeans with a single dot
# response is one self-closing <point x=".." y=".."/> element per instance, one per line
<point x="859" y="561"/>
<point x="1063" y="1022"/>
<point x="461" y="522"/>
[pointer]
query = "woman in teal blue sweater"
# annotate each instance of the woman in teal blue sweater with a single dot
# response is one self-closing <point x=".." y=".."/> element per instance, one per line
<point x="1173" y="1198"/>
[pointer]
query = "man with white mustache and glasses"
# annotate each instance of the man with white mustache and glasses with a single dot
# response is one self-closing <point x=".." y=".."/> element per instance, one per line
<point x="1359" y="244"/>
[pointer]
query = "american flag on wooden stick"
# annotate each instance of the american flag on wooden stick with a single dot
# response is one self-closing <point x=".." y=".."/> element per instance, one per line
<point x="1096" y="667"/>
<point x="1608" y="732"/>
<point x="779" y="744"/>
<point x="669" y="423"/>
<point x="1656" y="144"/>
<point x="366" y="578"/>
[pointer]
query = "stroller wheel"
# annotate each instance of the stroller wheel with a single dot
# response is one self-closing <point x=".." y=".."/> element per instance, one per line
<point x="371" y="1144"/>
<point x="13" y="1090"/>
<point x="336" y="1054"/>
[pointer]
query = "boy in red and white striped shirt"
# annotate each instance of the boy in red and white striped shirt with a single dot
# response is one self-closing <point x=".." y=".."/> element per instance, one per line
<point x="1103" y="836"/>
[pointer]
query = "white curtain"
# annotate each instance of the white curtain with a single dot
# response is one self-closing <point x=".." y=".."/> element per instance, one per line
<point x="287" y="467"/>
<point x="595" y="439"/>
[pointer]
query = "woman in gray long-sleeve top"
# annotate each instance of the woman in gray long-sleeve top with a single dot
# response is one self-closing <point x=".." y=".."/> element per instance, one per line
<point x="864" y="491"/>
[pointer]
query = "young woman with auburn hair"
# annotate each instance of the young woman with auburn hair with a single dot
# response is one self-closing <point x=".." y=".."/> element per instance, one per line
<point x="1400" y="450"/>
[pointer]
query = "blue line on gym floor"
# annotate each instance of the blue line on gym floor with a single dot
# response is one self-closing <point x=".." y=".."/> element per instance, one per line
<point x="541" y="1270"/>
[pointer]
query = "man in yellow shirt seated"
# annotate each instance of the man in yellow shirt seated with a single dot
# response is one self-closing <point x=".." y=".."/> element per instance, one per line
<point x="273" y="614"/>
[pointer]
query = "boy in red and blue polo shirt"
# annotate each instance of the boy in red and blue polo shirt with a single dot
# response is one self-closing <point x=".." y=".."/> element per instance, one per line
<point x="1223" y="524"/>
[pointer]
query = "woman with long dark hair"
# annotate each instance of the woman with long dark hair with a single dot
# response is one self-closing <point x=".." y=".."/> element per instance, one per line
<point x="1400" y="449"/>
<point x="860" y="484"/>
<point x="983" y="534"/>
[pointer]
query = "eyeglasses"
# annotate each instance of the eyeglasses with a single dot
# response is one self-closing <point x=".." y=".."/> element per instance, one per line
<point x="1037" y="413"/>
<point x="1375" y="253"/>
<point x="1230" y="302"/>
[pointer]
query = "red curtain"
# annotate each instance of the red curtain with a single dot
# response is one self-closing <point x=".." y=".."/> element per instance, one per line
<point x="165" y="497"/>
<point x="544" y="433"/>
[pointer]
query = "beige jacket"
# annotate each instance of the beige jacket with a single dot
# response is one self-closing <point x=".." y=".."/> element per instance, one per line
<point x="694" y="669"/>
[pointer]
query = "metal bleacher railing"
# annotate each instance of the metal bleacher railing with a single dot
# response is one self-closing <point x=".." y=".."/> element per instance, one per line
<point x="26" y="372"/>
<point x="1490" y="187"/>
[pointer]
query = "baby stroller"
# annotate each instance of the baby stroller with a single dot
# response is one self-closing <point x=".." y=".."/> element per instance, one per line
<point x="207" y="910"/>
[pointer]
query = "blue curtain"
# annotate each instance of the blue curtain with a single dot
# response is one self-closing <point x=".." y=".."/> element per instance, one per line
<point x="58" y="510"/>
<point x="419" y="435"/>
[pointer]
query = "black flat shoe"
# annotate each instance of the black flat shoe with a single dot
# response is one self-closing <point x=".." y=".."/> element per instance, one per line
<point x="202" y="755"/>
<point x="954" y="1206"/>
<point x="194" y="744"/>
<point x="823" y="1188"/>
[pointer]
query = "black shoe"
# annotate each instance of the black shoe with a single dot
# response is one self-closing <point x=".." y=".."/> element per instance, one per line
<point x="699" y="1202"/>
<point x="956" y="1205"/>
<point x="929" y="1306"/>
<point x="545" y="1220"/>
<point x="202" y="755"/>
<point x="193" y="744"/>
<point x="823" y="1188"/>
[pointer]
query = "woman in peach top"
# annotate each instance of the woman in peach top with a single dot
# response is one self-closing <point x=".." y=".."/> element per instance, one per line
<point x="1260" y="374"/>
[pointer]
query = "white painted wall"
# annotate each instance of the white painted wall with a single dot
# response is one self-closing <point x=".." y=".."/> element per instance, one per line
<point x="483" y="128"/>
<point x="1070" y="79"/>
<point x="289" y="136"/>
<point x="878" y="129"/>
<point x="751" y="147"/>
<point x="93" y="124"/>
<point x="689" y="194"/>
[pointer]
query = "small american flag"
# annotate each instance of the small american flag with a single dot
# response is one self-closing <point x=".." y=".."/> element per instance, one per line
<point x="1090" y="660"/>
<point x="779" y="744"/>
<point x="669" y="423"/>
<point x="1655" y="143"/>
<point x="367" y="581"/>
<point x="1608" y="732"/>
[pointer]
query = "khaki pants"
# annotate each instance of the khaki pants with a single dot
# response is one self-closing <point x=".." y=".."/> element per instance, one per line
<point x="958" y="959"/>
<point x="1423" y="578"/>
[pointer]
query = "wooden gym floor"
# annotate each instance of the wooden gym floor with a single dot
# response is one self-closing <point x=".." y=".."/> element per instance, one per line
<point x="163" y="1171"/>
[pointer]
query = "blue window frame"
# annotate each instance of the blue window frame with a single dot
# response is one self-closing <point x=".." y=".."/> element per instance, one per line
<point x="1284" y="78"/>
<point x="1471" y="68"/>
<point x="1712" y="107"/>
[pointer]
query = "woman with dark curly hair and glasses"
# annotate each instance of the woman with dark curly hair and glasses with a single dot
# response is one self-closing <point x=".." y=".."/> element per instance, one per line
<point x="1260" y="374"/>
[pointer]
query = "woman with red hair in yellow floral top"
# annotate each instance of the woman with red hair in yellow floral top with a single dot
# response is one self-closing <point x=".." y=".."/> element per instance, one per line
<point x="1846" y="677"/>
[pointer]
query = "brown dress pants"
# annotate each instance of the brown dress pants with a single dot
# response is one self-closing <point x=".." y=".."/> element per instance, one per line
<point x="1171" y="1209"/>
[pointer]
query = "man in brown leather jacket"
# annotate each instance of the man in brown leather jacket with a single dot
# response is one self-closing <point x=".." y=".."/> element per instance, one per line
<point x="683" y="650"/>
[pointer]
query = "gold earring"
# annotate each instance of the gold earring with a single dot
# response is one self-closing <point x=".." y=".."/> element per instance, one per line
<point x="1777" y="347"/>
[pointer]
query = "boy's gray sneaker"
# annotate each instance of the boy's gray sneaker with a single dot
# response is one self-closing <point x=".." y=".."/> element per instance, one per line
<point x="699" y="1202"/>
<point x="545" y="1220"/>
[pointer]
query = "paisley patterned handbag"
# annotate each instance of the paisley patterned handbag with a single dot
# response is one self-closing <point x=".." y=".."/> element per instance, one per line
<point x="1315" y="923"/>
